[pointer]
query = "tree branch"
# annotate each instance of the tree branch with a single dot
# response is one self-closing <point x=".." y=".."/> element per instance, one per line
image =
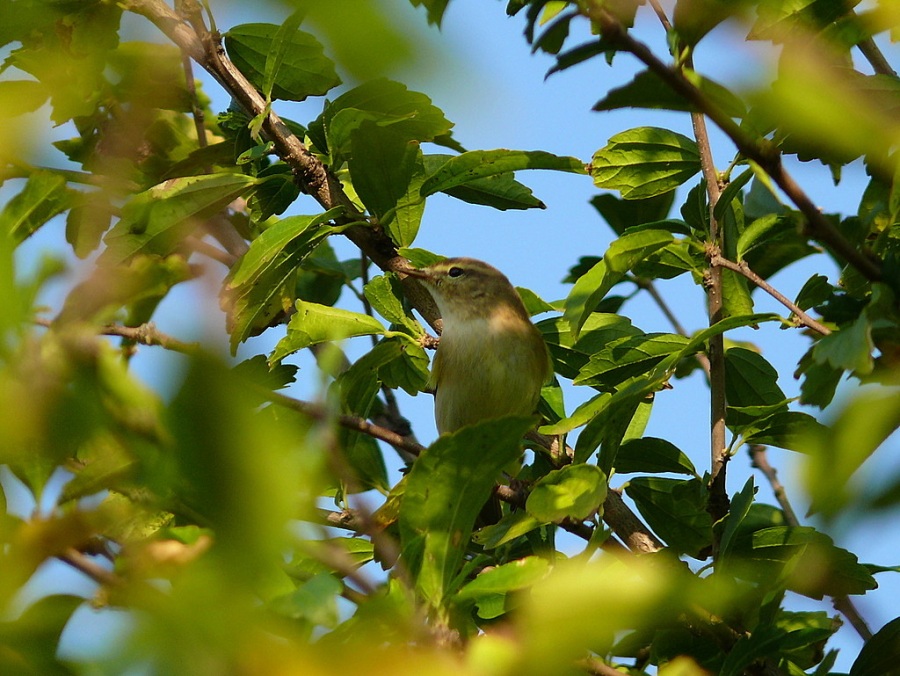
<point x="83" y="564"/>
<point x="350" y="422"/>
<point x="759" y="459"/>
<point x="760" y="150"/>
<point x="718" y="494"/>
<point x="145" y="334"/>
<point x="743" y="269"/>
<point x="314" y="178"/>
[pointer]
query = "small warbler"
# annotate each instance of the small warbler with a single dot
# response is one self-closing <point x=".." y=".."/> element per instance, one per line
<point x="491" y="361"/>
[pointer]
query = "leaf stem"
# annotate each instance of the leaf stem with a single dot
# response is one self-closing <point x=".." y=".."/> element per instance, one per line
<point x="760" y="150"/>
<point x="743" y="269"/>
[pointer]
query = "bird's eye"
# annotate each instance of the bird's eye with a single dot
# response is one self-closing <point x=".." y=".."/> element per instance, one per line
<point x="455" y="272"/>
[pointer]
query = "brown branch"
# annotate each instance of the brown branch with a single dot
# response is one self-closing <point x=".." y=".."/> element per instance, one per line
<point x="210" y="251"/>
<point x="759" y="460"/>
<point x="843" y="604"/>
<point x="718" y="493"/>
<point x="314" y="178"/>
<point x="145" y="334"/>
<point x="627" y="526"/>
<point x="743" y="269"/>
<point x="875" y="58"/>
<point x="83" y="564"/>
<point x="350" y="422"/>
<point x="597" y="667"/>
<point x="760" y="150"/>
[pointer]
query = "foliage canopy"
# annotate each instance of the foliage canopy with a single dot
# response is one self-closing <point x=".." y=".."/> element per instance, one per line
<point x="225" y="516"/>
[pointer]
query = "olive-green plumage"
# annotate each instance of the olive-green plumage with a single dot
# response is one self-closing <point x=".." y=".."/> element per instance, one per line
<point x="491" y="361"/>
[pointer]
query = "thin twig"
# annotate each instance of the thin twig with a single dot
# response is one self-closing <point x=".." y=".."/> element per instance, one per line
<point x="648" y="286"/>
<point x="759" y="459"/>
<point x="760" y="150"/>
<point x="83" y="564"/>
<point x="743" y="269"/>
<point x="843" y="604"/>
<point x="196" y="110"/>
<point x="311" y="174"/>
<point x="145" y="334"/>
<point x="350" y="422"/>
<point x="210" y="251"/>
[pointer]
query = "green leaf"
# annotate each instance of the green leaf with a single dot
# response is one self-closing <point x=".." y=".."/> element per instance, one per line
<point x="407" y="217"/>
<point x="315" y="601"/>
<point x="676" y="511"/>
<point x="750" y="380"/>
<point x="814" y="566"/>
<point x="570" y="350"/>
<point x="735" y="294"/>
<point x="732" y="194"/>
<point x="510" y="527"/>
<point x="880" y="656"/>
<point x="777" y="20"/>
<point x="500" y="191"/>
<point x="786" y="429"/>
<point x="574" y="491"/>
<point x="409" y="111"/>
<point x="257" y="288"/>
<point x="481" y="164"/>
<point x="645" y="162"/>
<point x="385" y="294"/>
<point x="409" y="370"/>
<point x="835" y="453"/>
<point x="87" y="220"/>
<point x="639" y="388"/>
<point x="44" y="196"/>
<point x="647" y="90"/>
<point x="447" y="486"/>
<point x="815" y="291"/>
<point x="492" y="586"/>
<point x="21" y="96"/>
<point x="608" y="428"/>
<point x="623" y="254"/>
<point x="740" y="508"/>
<point x="157" y="220"/>
<point x="628" y="357"/>
<point x="435" y="9"/>
<point x="275" y="193"/>
<point x="314" y="323"/>
<point x="850" y="348"/>
<point x="299" y="70"/>
<point x="622" y="214"/>
<point x="381" y="166"/>
<point x="652" y="455"/>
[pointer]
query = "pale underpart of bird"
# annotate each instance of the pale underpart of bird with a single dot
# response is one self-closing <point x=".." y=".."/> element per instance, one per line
<point x="491" y="361"/>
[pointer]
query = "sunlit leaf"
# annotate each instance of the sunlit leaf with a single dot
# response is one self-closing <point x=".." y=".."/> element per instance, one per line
<point x="257" y="285"/>
<point x="652" y="455"/>
<point x="446" y="488"/>
<point x="645" y="162"/>
<point x="573" y="492"/>
<point x="157" y="220"/>
<point x="314" y="323"/>
<point x="302" y="70"/>
<point x="481" y="164"/>
<point x="44" y="196"/>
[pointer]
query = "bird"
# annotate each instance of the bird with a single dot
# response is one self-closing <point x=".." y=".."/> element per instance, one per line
<point x="491" y="361"/>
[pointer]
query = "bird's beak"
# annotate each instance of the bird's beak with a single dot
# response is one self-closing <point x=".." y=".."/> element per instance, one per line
<point x="418" y="274"/>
